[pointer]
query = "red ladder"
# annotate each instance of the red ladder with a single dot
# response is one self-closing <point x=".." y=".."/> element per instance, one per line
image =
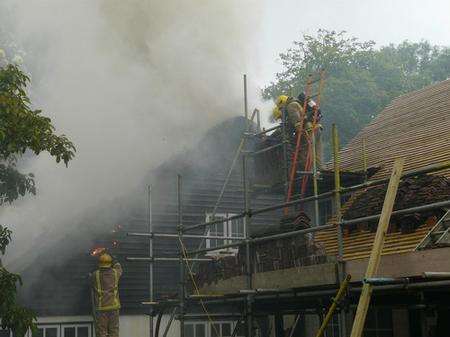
<point x="299" y="133"/>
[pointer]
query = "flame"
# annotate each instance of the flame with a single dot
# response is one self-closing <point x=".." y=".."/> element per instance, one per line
<point x="97" y="251"/>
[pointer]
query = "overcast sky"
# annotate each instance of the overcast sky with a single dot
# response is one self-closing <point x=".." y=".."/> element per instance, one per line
<point x="383" y="21"/>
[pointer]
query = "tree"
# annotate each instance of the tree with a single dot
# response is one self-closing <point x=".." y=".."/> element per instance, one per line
<point x="360" y="79"/>
<point x="22" y="130"/>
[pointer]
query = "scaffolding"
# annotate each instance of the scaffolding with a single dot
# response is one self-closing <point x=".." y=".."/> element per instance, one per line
<point x="246" y="296"/>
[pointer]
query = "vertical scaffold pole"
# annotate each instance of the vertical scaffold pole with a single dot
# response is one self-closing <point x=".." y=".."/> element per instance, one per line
<point x="314" y="149"/>
<point x="338" y="216"/>
<point x="182" y="296"/>
<point x="150" y="244"/>
<point x="315" y="185"/>
<point x="285" y="140"/>
<point x="247" y="220"/>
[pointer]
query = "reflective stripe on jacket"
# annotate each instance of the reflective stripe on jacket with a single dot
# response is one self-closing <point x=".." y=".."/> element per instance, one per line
<point x="105" y="283"/>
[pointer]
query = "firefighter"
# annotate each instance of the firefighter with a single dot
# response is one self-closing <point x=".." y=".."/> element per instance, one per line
<point x="293" y="108"/>
<point x="105" y="296"/>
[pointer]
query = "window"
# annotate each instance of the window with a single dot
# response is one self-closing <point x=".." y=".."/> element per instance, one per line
<point x="47" y="331"/>
<point x="232" y="228"/>
<point x="378" y="323"/>
<point x="58" y="330"/>
<point x="332" y="329"/>
<point x="78" y="330"/>
<point x="195" y="329"/>
<point x="206" y="329"/>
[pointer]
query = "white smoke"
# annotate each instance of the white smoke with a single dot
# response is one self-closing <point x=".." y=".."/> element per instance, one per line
<point x="130" y="83"/>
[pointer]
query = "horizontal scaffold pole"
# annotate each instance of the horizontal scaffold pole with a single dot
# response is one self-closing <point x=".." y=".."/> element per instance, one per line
<point x="175" y="236"/>
<point x="435" y="205"/>
<point x="263" y="132"/>
<point x="424" y="170"/>
<point x="153" y="259"/>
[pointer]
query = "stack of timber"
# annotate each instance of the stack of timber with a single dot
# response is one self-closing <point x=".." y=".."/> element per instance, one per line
<point x="276" y="254"/>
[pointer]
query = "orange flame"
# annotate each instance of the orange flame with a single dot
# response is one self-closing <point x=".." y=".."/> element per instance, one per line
<point x="97" y="251"/>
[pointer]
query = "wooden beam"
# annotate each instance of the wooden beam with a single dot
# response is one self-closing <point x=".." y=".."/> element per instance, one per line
<point x="375" y="255"/>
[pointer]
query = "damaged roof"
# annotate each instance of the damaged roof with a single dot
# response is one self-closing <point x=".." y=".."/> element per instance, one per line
<point x="56" y="272"/>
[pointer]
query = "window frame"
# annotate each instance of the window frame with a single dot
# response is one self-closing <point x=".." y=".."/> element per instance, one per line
<point x="226" y="231"/>
<point x="209" y="328"/>
<point x="76" y="326"/>
<point x="59" y="326"/>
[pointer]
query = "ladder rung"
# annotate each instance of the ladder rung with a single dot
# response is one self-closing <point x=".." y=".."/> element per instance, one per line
<point x="438" y="233"/>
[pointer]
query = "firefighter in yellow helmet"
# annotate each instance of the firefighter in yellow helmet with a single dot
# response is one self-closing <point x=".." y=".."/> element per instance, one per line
<point x="293" y="108"/>
<point x="105" y="296"/>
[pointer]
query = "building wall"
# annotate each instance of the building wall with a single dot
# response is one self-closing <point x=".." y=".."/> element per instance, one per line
<point x="130" y="325"/>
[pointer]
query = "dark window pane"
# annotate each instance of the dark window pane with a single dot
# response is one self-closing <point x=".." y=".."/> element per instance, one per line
<point x="226" y="329"/>
<point x="200" y="330"/>
<point x="82" y="331"/>
<point x="384" y="318"/>
<point x="189" y="330"/>
<point x="5" y="333"/>
<point x="371" y="322"/>
<point x="215" y="330"/>
<point x="69" y="332"/>
<point x="51" y="332"/>
<point x="336" y="330"/>
<point x="39" y="333"/>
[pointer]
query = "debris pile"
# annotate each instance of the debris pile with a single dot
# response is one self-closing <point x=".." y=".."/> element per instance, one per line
<point x="412" y="192"/>
<point x="275" y="254"/>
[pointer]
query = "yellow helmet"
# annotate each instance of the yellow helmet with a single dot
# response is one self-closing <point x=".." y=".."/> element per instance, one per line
<point x="281" y="100"/>
<point x="279" y="104"/>
<point x="105" y="261"/>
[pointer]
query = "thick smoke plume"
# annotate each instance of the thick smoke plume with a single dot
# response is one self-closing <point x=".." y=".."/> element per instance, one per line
<point x="131" y="83"/>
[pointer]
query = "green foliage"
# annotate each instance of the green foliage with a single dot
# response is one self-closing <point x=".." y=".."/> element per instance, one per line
<point x="23" y="129"/>
<point x="360" y="79"/>
<point x="5" y="238"/>
<point x="13" y="316"/>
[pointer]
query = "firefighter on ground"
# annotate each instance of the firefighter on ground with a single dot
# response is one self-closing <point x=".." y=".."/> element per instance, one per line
<point x="105" y="296"/>
<point x="292" y="108"/>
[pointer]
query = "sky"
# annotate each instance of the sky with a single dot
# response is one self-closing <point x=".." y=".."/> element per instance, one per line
<point x="384" y="21"/>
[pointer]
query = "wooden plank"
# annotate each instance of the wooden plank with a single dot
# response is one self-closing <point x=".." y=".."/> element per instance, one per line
<point x="375" y="256"/>
<point x="407" y="264"/>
